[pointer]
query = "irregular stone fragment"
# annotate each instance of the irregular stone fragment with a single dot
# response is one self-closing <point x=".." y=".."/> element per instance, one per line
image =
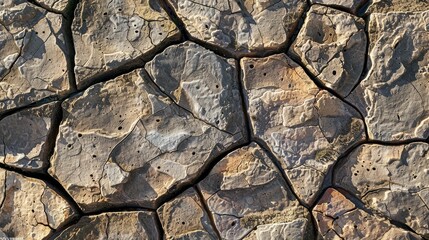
<point x="384" y="6"/>
<point x="28" y="208"/>
<point x="57" y="5"/>
<point x="109" y="35"/>
<point x="33" y="62"/>
<point x="246" y="193"/>
<point x="24" y="139"/>
<point x="392" y="180"/>
<point x="350" y="5"/>
<point x="294" y="230"/>
<point x="124" y="142"/>
<point x="332" y="46"/>
<point x="185" y="218"/>
<point x="306" y="129"/>
<point x="201" y="82"/>
<point x="114" y="225"/>
<point x="394" y="97"/>
<point x="241" y="27"/>
<point x="339" y="218"/>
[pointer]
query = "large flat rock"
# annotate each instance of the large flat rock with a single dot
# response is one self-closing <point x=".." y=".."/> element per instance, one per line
<point x="248" y="196"/>
<point x="24" y="137"/>
<point x="109" y="35"/>
<point x="114" y="225"/>
<point x="201" y="82"/>
<point x="391" y="180"/>
<point x="33" y="56"/>
<point x="307" y="129"/>
<point x="339" y="218"/>
<point x="241" y="27"/>
<point x="332" y="46"/>
<point x="394" y="97"/>
<point x="29" y="209"/>
<point x="122" y="142"/>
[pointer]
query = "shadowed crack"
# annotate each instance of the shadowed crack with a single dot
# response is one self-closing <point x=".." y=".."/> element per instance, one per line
<point x="209" y="213"/>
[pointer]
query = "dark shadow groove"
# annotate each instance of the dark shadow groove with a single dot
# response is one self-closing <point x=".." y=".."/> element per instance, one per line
<point x="49" y="146"/>
<point x="243" y="97"/>
<point x="209" y="213"/>
<point x="49" y="9"/>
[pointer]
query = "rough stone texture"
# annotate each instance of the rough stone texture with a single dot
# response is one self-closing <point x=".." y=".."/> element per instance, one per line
<point x="392" y="180"/>
<point x="24" y="136"/>
<point x="384" y="6"/>
<point x="201" y="82"/>
<point x="28" y="208"/>
<point x="241" y="26"/>
<point x="32" y="54"/>
<point x="245" y="193"/>
<point x="294" y="230"/>
<point x="111" y="34"/>
<point x="350" y="5"/>
<point x="332" y="45"/>
<point x="394" y="96"/>
<point x="339" y="218"/>
<point x="185" y="218"/>
<point x="114" y="225"/>
<point x="122" y="142"/>
<point x="307" y="129"/>
<point x="57" y="5"/>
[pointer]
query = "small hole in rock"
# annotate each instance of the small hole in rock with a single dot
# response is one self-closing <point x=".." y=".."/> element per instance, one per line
<point x="251" y="66"/>
<point x="105" y="13"/>
<point x="334" y="72"/>
<point x="207" y="26"/>
<point x="69" y="145"/>
<point x="160" y="33"/>
<point x="265" y="74"/>
<point x="183" y="223"/>
<point x="217" y="86"/>
<point x="158" y="167"/>
<point x="193" y="153"/>
<point x="79" y="135"/>
<point x="373" y="168"/>
<point x="94" y="156"/>
<point x="233" y="224"/>
<point x="136" y="31"/>
<point x="157" y="120"/>
<point x="119" y="128"/>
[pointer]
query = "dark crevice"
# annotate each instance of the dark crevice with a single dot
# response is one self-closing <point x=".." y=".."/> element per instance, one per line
<point x="43" y="6"/>
<point x="243" y="97"/>
<point x="363" y="9"/>
<point x="209" y="213"/>
<point x="159" y="226"/>
<point x="49" y="146"/>
<point x="115" y="209"/>
<point x="339" y="8"/>
<point x="56" y="232"/>
<point x="35" y="104"/>
<point x="168" y="8"/>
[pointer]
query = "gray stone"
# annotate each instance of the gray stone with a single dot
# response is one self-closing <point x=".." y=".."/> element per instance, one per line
<point x="350" y="5"/>
<point x="384" y="6"/>
<point x="29" y="209"/>
<point x="294" y="230"/>
<point x="24" y="138"/>
<point x="109" y="35"/>
<point x="202" y="83"/>
<point x="391" y="180"/>
<point x="332" y="46"/>
<point x="56" y="5"/>
<point x="123" y="142"/>
<point x="246" y="193"/>
<point x="241" y="27"/>
<point x="185" y="218"/>
<point x="307" y="129"/>
<point x="114" y="225"/>
<point x="33" y="62"/>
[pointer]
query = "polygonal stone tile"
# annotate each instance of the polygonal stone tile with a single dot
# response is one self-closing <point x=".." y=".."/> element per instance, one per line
<point x="394" y="97"/>
<point x="332" y="46"/>
<point x="24" y="136"/>
<point x="350" y="5"/>
<point x="246" y="194"/>
<point x="28" y="208"/>
<point x="384" y="6"/>
<point x="202" y="83"/>
<point x="33" y="62"/>
<point x="185" y="218"/>
<point x="111" y="34"/>
<point x="307" y="129"/>
<point x="123" y="142"/>
<point x="339" y="218"/>
<point x="241" y="27"/>
<point x="114" y="225"/>
<point x="392" y="180"/>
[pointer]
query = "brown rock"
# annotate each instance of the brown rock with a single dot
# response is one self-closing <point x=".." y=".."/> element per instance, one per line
<point x="384" y="6"/>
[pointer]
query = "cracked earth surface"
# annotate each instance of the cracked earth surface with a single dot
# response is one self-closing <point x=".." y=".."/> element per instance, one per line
<point x="214" y="119"/>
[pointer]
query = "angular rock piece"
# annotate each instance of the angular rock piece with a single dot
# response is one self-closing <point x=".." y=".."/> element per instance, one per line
<point x="350" y="5"/>
<point x="122" y="142"/>
<point x="394" y="97"/>
<point x="57" y="5"/>
<point x="24" y="137"/>
<point x="244" y="191"/>
<point x="28" y="208"/>
<point x="392" y="180"/>
<point x="332" y="46"/>
<point x="384" y="6"/>
<point x="241" y="27"/>
<point x="114" y="225"/>
<point x="111" y="34"/>
<point x="33" y="62"/>
<point x="306" y="129"/>
<point x="339" y="218"/>
<point x="294" y="230"/>
<point x="185" y="218"/>
<point x="201" y="82"/>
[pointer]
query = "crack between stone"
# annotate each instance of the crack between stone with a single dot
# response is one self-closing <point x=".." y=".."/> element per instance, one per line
<point x="46" y="8"/>
<point x="207" y="209"/>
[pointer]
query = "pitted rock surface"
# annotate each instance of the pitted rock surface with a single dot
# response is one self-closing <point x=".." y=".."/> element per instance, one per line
<point x="384" y="6"/>
<point x="241" y="27"/>
<point x="246" y="194"/>
<point x="391" y="180"/>
<point x="33" y="62"/>
<point x="332" y="46"/>
<point x="134" y="143"/>
<point x="111" y="34"/>
<point x="29" y="209"/>
<point x="307" y="129"/>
